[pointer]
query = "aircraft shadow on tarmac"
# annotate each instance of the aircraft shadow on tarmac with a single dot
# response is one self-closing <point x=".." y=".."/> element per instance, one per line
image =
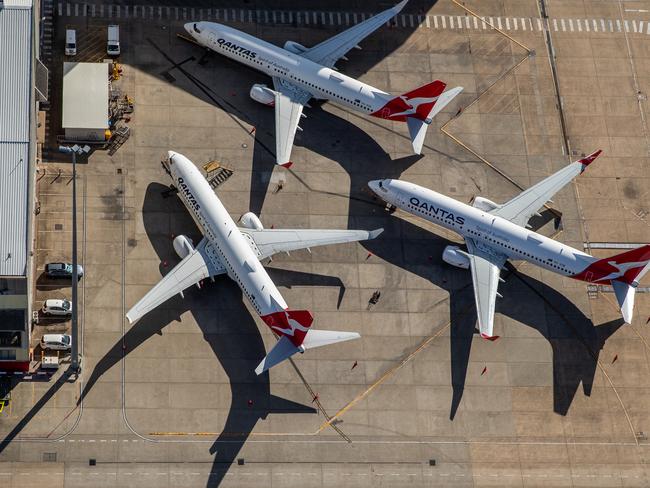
<point x="225" y="83"/>
<point x="232" y="333"/>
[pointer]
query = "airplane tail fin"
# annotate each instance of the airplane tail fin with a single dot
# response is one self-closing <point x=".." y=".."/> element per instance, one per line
<point x="623" y="271"/>
<point x="422" y="105"/>
<point x="284" y="348"/>
<point x="292" y="324"/>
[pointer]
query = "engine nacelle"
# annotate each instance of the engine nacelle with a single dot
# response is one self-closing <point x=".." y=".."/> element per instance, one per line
<point x="251" y="221"/>
<point x="294" y="47"/>
<point x="484" y="204"/>
<point x="453" y="255"/>
<point x="262" y="94"/>
<point x="183" y="245"/>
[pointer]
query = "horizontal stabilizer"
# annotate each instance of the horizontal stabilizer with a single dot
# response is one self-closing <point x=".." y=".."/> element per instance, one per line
<point x="418" y="127"/>
<point x="443" y="101"/>
<point x="318" y="338"/>
<point x="625" y="298"/>
<point x="282" y="350"/>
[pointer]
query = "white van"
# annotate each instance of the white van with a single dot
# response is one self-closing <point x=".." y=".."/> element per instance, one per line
<point x="70" y="42"/>
<point x="113" y="46"/>
<point x="57" y="342"/>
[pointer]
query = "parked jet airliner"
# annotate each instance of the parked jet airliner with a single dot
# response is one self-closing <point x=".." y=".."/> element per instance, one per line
<point x="495" y="233"/>
<point x="300" y="74"/>
<point x="237" y="252"/>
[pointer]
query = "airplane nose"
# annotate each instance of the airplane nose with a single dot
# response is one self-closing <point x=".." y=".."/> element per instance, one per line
<point x="188" y="28"/>
<point x="374" y="185"/>
<point x="170" y="156"/>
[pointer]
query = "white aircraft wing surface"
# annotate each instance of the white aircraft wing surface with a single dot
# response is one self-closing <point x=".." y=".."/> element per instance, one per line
<point x="267" y="242"/>
<point x="522" y="207"/>
<point x="289" y="102"/>
<point x="328" y="52"/>
<point x="196" y="266"/>
<point x="485" y="264"/>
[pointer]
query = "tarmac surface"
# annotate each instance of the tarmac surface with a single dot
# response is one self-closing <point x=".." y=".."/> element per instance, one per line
<point x="561" y="399"/>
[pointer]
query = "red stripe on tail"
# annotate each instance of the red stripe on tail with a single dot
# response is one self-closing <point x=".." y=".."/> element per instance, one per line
<point x="623" y="267"/>
<point x="416" y="103"/>
<point x="294" y="324"/>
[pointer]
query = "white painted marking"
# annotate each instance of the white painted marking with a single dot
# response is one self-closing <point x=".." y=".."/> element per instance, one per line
<point x="459" y="21"/>
<point x="354" y="18"/>
<point x="347" y="18"/>
<point x="426" y="20"/>
<point x="555" y="25"/>
<point x="484" y="23"/>
<point x="539" y="25"/>
<point x="626" y="26"/>
<point x="467" y="22"/>
<point x="411" y="20"/>
<point x="444" y="22"/>
<point x="451" y="22"/>
<point x="634" y="26"/>
<point x="571" y="25"/>
<point x="435" y="21"/>
<point x="60" y="9"/>
<point x="338" y="16"/>
<point x="563" y="25"/>
<point x="507" y="23"/>
<point x="499" y="23"/>
<point x="67" y="9"/>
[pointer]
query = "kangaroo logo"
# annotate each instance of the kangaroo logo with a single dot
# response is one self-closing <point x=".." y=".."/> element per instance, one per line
<point x="415" y="104"/>
<point x="293" y="326"/>
<point x="622" y="268"/>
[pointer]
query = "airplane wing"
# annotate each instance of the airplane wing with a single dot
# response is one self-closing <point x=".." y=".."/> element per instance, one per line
<point x="485" y="264"/>
<point x="196" y="266"/>
<point x="289" y="101"/>
<point x="328" y="52"/>
<point x="526" y="204"/>
<point x="267" y="242"/>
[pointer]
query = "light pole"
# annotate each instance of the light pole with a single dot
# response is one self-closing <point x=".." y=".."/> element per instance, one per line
<point x="75" y="364"/>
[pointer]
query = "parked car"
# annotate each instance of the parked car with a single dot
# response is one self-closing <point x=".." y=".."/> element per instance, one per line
<point x="57" y="342"/>
<point x="113" y="45"/>
<point x="62" y="270"/>
<point x="55" y="306"/>
<point x="70" y="42"/>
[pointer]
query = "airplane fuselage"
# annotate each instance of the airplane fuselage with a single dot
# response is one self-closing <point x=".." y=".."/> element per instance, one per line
<point x="318" y="80"/>
<point x="227" y="242"/>
<point x="495" y="232"/>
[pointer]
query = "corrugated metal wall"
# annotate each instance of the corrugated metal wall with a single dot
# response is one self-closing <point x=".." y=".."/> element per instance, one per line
<point x="15" y="112"/>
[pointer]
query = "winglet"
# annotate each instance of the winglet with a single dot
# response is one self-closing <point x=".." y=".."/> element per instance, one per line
<point x="374" y="233"/>
<point x="489" y="338"/>
<point x="586" y="161"/>
<point x="287" y="165"/>
<point x="398" y="8"/>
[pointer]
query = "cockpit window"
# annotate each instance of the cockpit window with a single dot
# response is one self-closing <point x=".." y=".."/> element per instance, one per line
<point x="196" y="29"/>
<point x="381" y="186"/>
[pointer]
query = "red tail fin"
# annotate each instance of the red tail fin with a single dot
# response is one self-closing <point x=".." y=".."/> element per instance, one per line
<point x="291" y="323"/>
<point x="416" y="103"/>
<point x="624" y="267"/>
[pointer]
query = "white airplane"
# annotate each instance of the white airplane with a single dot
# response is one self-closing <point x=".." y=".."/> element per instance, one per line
<point x="300" y="74"/>
<point x="227" y="249"/>
<point x="495" y="233"/>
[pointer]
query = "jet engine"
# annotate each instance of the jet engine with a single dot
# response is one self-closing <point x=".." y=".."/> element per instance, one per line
<point x="251" y="221"/>
<point x="183" y="246"/>
<point x="294" y="47"/>
<point x="262" y="94"/>
<point x="454" y="256"/>
<point x="484" y="204"/>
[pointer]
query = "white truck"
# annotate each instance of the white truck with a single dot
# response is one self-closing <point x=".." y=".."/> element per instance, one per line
<point x="113" y="45"/>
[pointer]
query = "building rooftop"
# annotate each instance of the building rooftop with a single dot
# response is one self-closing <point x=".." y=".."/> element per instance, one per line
<point x="15" y="133"/>
<point x="85" y="95"/>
